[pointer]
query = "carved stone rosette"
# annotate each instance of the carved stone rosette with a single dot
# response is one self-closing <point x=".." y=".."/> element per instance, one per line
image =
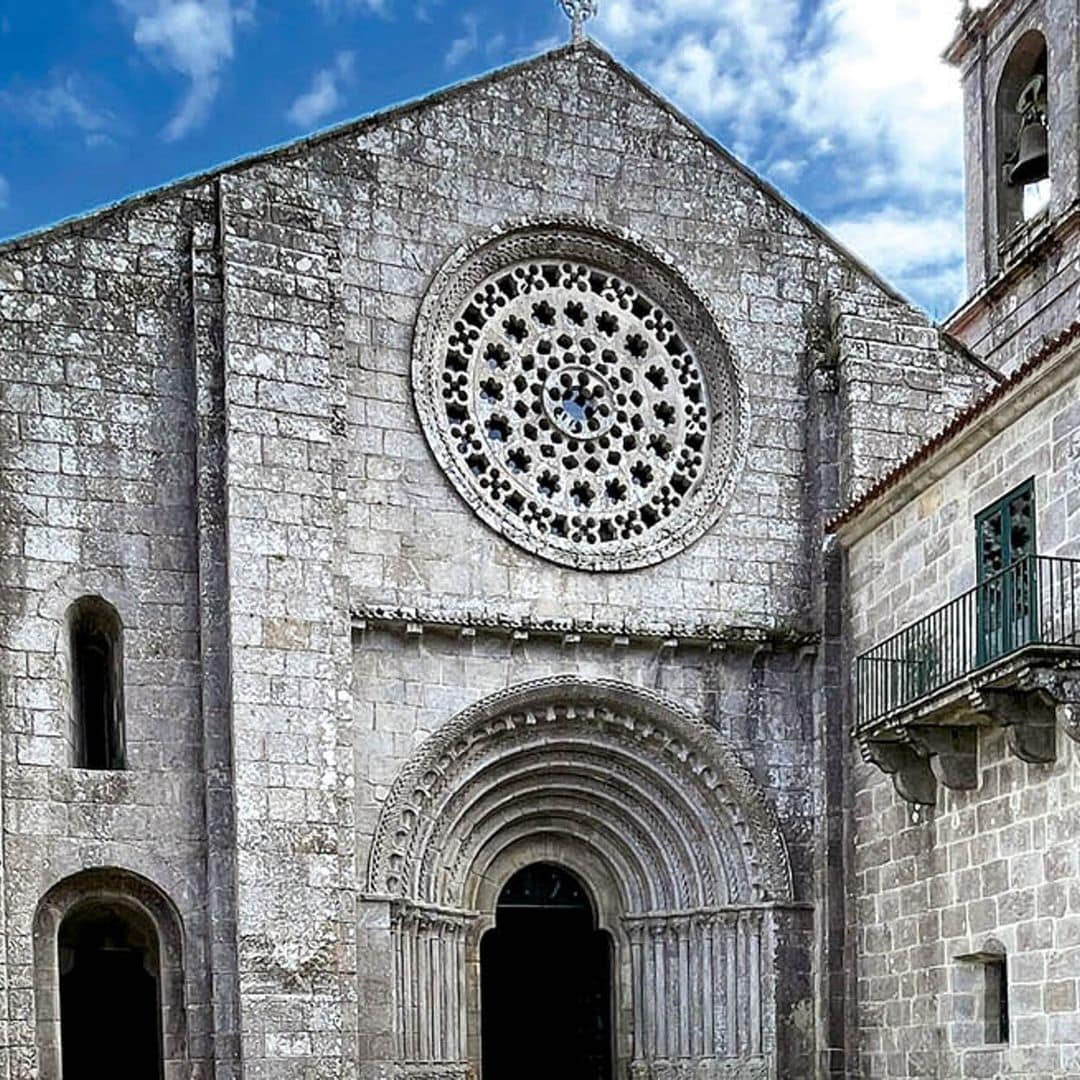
<point x="579" y="394"/>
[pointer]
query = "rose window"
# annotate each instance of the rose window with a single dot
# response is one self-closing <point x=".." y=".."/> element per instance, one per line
<point x="575" y="399"/>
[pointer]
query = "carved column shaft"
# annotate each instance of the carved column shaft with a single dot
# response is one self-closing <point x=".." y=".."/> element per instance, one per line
<point x="429" y="988"/>
<point x="697" y="992"/>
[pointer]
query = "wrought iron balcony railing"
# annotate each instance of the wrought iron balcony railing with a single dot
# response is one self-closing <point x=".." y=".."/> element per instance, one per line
<point x="1033" y="602"/>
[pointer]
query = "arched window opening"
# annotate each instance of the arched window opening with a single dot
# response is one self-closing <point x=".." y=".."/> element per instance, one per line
<point x="97" y="684"/>
<point x="545" y="982"/>
<point x="110" y="993"/>
<point x="1023" y="134"/>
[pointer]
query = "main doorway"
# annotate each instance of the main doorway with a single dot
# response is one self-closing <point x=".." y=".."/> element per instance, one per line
<point x="545" y="982"/>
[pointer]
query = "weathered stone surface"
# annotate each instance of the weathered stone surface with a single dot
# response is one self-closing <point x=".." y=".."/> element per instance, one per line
<point x="207" y="418"/>
<point x="1024" y="283"/>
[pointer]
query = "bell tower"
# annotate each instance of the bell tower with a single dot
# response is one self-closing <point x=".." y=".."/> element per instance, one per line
<point x="1021" y="77"/>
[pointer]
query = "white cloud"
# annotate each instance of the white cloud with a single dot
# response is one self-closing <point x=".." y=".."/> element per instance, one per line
<point x="324" y="95"/>
<point x="785" y="170"/>
<point x="865" y="75"/>
<point x="899" y="243"/>
<point x="377" y="7"/>
<point x="469" y="42"/>
<point x="5" y="191"/>
<point x="923" y="253"/>
<point x="878" y="83"/>
<point x="195" y="38"/>
<point x="64" y="102"/>
<point x="848" y="99"/>
<point x="720" y="60"/>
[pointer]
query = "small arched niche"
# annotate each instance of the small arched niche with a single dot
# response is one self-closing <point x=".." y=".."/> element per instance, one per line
<point x="95" y="642"/>
<point x="1022" y="126"/>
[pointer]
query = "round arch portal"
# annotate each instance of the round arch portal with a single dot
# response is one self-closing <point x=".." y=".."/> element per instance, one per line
<point x="107" y="939"/>
<point x="650" y="810"/>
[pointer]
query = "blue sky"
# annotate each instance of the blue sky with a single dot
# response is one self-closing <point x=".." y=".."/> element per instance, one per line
<point x="843" y="104"/>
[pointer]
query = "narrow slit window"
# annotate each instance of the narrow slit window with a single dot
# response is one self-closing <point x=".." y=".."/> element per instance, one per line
<point x="996" y="976"/>
<point x="97" y="688"/>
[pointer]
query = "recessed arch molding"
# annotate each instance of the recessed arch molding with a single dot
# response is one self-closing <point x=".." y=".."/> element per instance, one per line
<point x="652" y="809"/>
<point x="122" y="890"/>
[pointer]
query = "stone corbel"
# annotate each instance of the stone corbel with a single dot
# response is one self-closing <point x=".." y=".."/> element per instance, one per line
<point x="937" y="742"/>
<point x="953" y="753"/>
<point x="924" y="756"/>
<point x="1060" y="688"/>
<point x="910" y="770"/>
<point x="1071" y="715"/>
<point x="1028" y="716"/>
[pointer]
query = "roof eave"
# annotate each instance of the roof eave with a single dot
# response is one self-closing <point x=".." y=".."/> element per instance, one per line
<point x="1036" y="379"/>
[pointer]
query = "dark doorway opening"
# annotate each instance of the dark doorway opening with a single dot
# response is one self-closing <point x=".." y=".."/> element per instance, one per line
<point x="110" y="999"/>
<point x="545" y="982"/>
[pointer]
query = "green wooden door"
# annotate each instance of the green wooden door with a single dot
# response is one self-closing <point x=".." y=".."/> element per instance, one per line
<point x="1007" y="606"/>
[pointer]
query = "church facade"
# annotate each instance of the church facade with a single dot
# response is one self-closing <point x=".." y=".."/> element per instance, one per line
<point x="428" y="633"/>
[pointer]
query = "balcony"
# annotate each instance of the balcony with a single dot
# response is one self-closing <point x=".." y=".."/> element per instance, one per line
<point x="1006" y="652"/>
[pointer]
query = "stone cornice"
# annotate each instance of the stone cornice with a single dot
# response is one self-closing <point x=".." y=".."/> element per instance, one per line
<point x="974" y="25"/>
<point x="415" y="622"/>
<point x="1023" y="261"/>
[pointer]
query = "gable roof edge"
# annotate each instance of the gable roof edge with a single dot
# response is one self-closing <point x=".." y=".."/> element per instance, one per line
<point x="357" y="124"/>
<point x="755" y="178"/>
<point x="285" y="149"/>
<point x="1054" y="350"/>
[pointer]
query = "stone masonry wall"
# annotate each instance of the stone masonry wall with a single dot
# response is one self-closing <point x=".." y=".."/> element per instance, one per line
<point x="285" y="409"/>
<point x="998" y="864"/>
<point x="1029" y="289"/>
<point x="97" y="496"/>
<point x="930" y="540"/>
<point x="408" y="685"/>
<point x="142" y="436"/>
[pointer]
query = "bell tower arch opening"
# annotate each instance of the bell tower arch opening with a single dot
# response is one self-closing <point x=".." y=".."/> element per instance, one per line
<point x="1022" y="135"/>
<point x="545" y="982"/>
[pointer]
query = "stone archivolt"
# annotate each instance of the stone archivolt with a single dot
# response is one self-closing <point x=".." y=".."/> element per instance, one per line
<point x="579" y="395"/>
<point x="651" y="810"/>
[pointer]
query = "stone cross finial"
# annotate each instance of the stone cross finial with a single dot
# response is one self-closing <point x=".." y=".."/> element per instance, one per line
<point x="579" y="12"/>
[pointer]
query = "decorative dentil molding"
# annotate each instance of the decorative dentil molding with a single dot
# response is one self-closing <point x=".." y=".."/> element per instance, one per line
<point x="415" y="621"/>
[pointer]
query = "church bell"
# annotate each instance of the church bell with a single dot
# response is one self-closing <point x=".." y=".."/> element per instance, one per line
<point x="1033" y="152"/>
<point x="1033" y="159"/>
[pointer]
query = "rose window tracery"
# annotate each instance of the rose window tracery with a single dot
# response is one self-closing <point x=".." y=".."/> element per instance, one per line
<point x="579" y="396"/>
